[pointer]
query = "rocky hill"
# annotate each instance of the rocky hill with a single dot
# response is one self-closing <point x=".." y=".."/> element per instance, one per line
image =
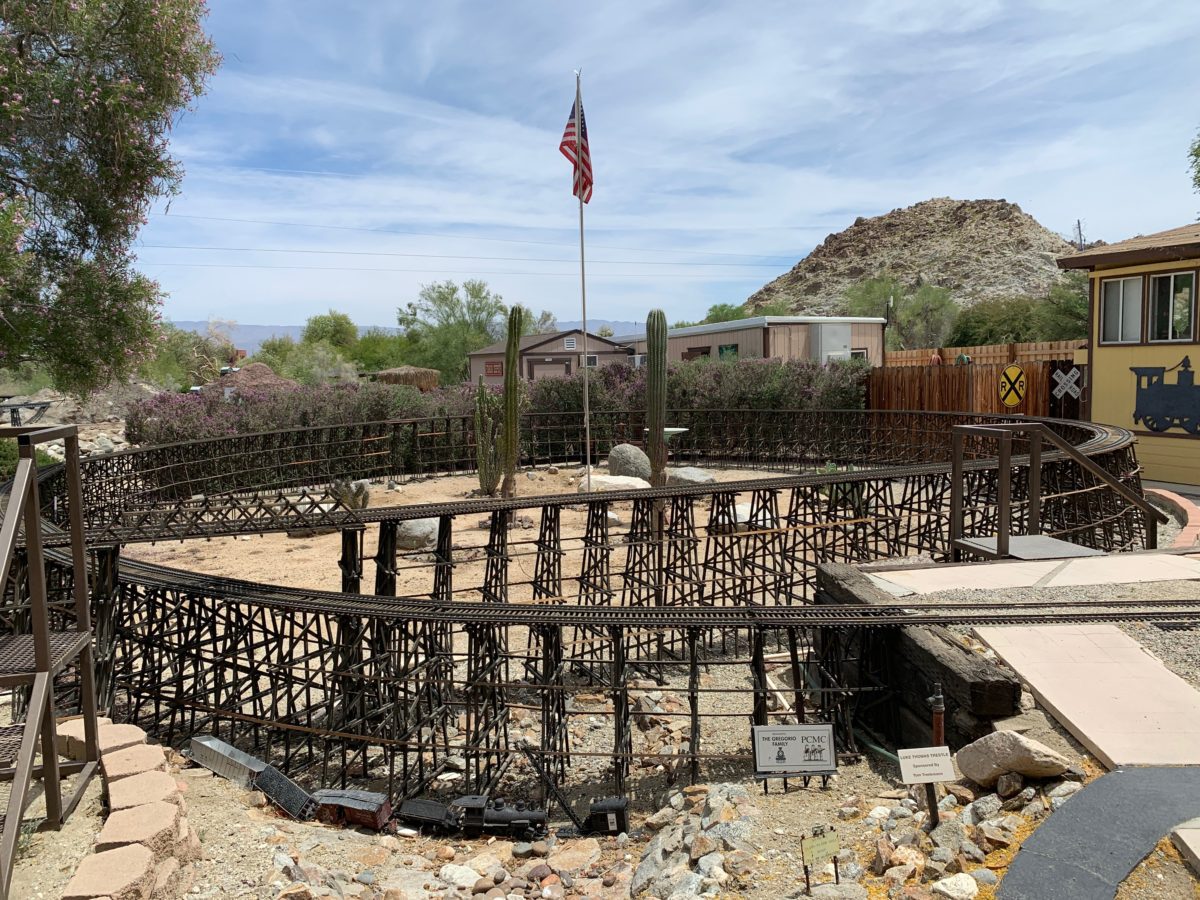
<point x="977" y="248"/>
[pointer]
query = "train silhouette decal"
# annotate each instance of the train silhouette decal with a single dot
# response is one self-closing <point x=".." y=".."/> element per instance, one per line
<point x="1159" y="405"/>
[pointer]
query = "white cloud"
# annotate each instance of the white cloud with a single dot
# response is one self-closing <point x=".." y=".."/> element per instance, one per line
<point x="716" y="127"/>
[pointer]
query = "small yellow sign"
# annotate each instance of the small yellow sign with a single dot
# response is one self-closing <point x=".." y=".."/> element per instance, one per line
<point x="819" y="848"/>
<point x="1012" y="386"/>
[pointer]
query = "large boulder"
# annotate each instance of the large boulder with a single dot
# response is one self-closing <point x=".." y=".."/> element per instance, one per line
<point x="628" y="460"/>
<point x="602" y="483"/>
<point x="986" y="759"/>
<point x="690" y="475"/>
<point x="417" y="534"/>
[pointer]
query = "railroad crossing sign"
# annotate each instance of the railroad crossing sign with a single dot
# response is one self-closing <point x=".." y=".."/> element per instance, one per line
<point x="1068" y="383"/>
<point x="1012" y="385"/>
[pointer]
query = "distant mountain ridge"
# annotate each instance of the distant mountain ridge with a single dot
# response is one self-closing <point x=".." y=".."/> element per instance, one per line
<point x="978" y="249"/>
<point x="250" y="337"/>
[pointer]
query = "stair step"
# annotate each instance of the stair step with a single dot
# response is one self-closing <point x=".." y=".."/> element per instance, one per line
<point x="10" y="742"/>
<point x="18" y="658"/>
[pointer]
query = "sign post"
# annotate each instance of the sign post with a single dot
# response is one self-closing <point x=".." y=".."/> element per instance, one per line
<point x="822" y="844"/>
<point x="790" y="751"/>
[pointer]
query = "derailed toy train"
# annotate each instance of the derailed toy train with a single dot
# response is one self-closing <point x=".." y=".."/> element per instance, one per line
<point x="1159" y="405"/>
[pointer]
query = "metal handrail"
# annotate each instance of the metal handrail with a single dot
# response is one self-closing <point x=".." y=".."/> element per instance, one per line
<point x="1037" y="432"/>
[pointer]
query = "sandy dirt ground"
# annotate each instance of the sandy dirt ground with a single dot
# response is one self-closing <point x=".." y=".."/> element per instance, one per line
<point x="312" y="561"/>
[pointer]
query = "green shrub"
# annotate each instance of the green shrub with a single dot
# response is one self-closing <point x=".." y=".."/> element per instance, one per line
<point x="9" y="457"/>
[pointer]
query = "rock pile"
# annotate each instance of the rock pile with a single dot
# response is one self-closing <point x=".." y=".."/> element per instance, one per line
<point x="700" y="847"/>
<point x="660" y="715"/>
<point x="390" y="868"/>
<point x="915" y="862"/>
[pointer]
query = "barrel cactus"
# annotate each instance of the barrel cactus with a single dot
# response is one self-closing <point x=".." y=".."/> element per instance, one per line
<point x="656" y="395"/>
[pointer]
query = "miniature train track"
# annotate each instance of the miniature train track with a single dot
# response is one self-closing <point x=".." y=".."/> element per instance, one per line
<point x="388" y="684"/>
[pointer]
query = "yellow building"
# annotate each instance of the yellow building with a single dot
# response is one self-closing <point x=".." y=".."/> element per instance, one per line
<point x="1143" y="345"/>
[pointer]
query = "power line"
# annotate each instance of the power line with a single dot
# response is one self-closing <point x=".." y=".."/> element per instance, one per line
<point x="710" y="277"/>
<point x="632" y="262"/>
<point x="467" y="237"/>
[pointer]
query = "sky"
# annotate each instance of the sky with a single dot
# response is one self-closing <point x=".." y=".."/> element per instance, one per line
<point x="347" y="154"/>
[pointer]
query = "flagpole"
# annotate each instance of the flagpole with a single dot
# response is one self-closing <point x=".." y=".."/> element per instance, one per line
<point x="587" y="421"/>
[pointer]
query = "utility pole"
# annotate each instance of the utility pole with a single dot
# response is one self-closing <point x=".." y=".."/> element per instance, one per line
<point x="1079" y="234"/>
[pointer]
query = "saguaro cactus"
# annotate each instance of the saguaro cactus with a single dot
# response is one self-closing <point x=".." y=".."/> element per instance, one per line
<point x="487" y="432"/>
<point x="510" y="438"/>
<point x="656" y="395"/>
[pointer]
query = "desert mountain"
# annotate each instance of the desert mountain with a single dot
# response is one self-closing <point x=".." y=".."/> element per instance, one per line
<point x="977" y="248"/>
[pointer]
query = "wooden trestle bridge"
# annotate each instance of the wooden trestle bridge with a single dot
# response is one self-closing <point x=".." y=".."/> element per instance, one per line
<point x="342" y="687"/>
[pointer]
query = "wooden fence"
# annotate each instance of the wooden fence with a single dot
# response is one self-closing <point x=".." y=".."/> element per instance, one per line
<point x="974" y="388"/>
<point x="988" y="354"/>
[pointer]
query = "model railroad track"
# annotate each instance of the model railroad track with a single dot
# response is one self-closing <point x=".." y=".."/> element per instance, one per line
<point x="1182" y="613"/>
<point x="146" y="513"/>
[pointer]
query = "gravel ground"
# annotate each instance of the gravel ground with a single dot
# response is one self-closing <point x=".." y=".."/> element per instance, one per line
<point x="1178" y="649"/>
<point x="1163" y="875"/>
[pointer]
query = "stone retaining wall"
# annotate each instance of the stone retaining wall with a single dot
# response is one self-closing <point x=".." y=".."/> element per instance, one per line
<point x="146" y="847"/>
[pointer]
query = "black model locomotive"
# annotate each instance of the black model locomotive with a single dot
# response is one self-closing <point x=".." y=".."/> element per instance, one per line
<point x="1159" y="405"/>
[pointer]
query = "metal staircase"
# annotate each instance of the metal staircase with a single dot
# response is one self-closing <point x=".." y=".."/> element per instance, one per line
<point x="56" y="641"/>
<point x="1032" y="544"/>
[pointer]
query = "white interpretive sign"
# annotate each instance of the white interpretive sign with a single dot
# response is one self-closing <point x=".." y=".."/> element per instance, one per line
<point x="926" y="765"/>
<point x="794" y="750"/>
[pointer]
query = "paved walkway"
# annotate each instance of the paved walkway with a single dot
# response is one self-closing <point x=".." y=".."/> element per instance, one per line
<point x="1117" y="568"/>
<point x="1117" y="699"/>
<point x="1088" y="846"/>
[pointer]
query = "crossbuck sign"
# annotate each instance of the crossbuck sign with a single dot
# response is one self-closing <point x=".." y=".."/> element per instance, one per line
<point x="1068" y="383"/>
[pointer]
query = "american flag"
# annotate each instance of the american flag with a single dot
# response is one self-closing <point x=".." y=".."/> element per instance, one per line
<point x="582" y="186"/>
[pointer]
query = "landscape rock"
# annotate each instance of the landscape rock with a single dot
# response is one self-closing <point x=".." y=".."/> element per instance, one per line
<point x="972" y="851"/>
<point x="603" y="483"/>
<point x="982" y="809"/>
<point x="956" y="887"/>
<point x="949" y="835"/>
<point x="628" y="460"/>
<point x="417" y="534"/>
<point x="1064" y="790"/>
<point x="690" y="475"/>
<point x="574" y="857"/>
<point x="986" y="759"/>
<point x="459" y="876"/>
<point x="1009" y="783"/>
<point x="843" y="891"/>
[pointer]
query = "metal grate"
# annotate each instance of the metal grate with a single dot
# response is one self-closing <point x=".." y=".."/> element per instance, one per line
<point x="10" y="742"/>
<point x="17" y="656"/>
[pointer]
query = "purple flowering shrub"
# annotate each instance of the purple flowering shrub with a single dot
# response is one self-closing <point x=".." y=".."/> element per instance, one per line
<point x="745" y="384"/>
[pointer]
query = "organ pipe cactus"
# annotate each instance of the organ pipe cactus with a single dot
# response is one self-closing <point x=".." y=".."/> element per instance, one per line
<point x="656" y="395"/>
<point x="487" y="434"/>
<point x="510" y="440"/>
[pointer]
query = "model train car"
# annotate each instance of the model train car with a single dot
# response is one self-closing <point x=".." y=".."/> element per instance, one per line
<point x="1159" y="405"/>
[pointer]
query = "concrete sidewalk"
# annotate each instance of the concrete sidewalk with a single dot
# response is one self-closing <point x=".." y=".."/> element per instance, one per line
<point x="1117" y="699"/>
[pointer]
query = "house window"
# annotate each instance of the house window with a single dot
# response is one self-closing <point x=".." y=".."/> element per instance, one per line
<point x="493" y="368"/>
<point x="697" y="353"/>
<point x="1121" y="311"/>
<point x="727" y="351"/>
<point x="591" y="361"/>
<point x="858" y="354"/>
<point x="1171" y="306"/>
<point x="569" y="343"/>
